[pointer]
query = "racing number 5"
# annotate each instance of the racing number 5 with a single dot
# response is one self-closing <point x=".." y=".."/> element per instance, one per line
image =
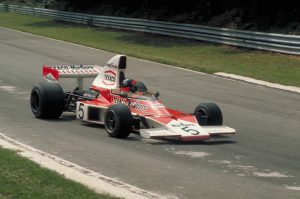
<point x="80" y="110"/>
<point x="191" y="131"/>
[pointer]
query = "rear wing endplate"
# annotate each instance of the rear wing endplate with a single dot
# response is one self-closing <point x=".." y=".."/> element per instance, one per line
<point x="53" y="73"/>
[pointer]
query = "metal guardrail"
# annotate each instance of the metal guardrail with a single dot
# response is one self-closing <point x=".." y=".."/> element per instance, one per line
<point x="258" y="40"/>
<point x="2" y="9"/>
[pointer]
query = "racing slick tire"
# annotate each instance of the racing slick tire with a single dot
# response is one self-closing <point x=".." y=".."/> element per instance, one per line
<point x="47" y="100"/>
<point x="208" y="114"/>
<point x="141" y="87"/>
<point x="118" y="121"/>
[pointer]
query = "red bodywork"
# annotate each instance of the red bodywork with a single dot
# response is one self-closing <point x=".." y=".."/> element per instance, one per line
<point x="139" y="106"/>
<point x="159" y="121"/>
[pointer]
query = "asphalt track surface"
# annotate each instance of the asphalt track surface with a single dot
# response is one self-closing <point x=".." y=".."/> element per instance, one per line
<point x="261" y="161"/>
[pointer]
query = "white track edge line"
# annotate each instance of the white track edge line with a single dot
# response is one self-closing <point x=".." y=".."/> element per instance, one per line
<point x="215" y="75"/>
<point x="259" y="82"/>
<point x="95" y="181"/>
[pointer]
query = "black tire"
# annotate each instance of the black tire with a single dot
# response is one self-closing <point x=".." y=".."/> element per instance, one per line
<point x="47" y="100"/>
<point x="141" y="87"/>
<point x="208" y="114"/>
<point x="118" y="121"/>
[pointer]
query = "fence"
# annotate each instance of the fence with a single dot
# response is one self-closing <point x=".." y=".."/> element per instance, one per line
<point x="258" y="40"/>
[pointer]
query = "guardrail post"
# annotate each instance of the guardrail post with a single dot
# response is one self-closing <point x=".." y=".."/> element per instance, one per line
<point x="6" y="8"/>
<point x="90" y="21"/>
<point x="33" y="11"/>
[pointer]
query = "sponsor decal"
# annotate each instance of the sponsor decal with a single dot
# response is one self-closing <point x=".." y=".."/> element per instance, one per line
<point x="158" y="105"/>
<point x="137" y="105"/>
<point x="73" y="67"/>
<point x="111" y="65"/>
<point x="61" y="67"/>
<point x="119" y="101"/>
<point x="109" y="77"/>
<point x="134" y="104"/>
<point x="187" y="127"/>
<point x="81" y="67"/>
<point x="179" y="125"/>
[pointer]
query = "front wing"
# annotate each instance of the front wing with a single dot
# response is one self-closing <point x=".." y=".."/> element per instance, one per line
<point x="184" y="130"/>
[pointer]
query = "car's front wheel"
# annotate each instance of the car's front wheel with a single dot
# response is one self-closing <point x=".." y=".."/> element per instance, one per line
<point x="208" y="114"/>
<point x="118" y="121"/>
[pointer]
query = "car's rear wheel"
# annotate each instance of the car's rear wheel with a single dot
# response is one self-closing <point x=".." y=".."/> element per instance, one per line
<point x="118" y="121"/>
<point x="208" y="114"/>
<point x="47" y="100"/>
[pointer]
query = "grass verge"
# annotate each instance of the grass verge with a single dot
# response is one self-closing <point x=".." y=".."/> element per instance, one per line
<point x="21" y="178"/>
<point x="199" y="56"/>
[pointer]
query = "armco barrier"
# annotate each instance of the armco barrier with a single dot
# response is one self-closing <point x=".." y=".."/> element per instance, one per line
<point x="265" y="41"/>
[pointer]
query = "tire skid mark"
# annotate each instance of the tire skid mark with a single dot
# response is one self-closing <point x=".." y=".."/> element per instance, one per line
<point x="193" y="154"/>
<point x="294" y="188"/>
<point x="273" y="174"/>
<point x="248" y="170"/>
<point x="21" y="94"/>
<point x="237" y="168"/>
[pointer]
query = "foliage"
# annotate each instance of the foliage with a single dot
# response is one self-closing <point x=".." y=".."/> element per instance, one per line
<point x="276" y="16"/>
<point x="255" y="14"/>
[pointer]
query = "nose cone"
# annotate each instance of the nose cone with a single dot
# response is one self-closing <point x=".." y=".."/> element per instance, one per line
<point x="162" y="112"/>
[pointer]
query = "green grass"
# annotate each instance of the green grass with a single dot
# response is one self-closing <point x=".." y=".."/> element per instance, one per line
<point x="21" y="178"/>
<point x="199" y="56"/>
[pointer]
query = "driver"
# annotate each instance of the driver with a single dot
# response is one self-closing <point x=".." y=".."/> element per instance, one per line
<point x="129" y="85"/>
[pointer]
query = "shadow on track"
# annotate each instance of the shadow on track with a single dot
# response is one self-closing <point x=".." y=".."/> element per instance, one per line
<point x="65" y="118"/>
<point x="165" y="141"/>
<point x="135" y="137"/>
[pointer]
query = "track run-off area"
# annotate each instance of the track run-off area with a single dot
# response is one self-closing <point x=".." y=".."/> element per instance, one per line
<point x="260" y="161"/>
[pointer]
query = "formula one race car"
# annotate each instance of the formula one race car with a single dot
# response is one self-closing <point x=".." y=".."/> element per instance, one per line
<point x="123" y="105"/>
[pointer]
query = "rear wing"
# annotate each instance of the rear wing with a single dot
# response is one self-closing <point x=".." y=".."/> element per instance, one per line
<point x="53" y="73"/>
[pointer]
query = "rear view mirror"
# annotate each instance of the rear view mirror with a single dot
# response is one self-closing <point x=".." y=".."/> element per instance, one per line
<point x="122" y="62"/>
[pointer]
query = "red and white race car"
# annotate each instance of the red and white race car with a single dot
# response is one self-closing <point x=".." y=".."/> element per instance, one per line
<point x="123" y="105"/>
